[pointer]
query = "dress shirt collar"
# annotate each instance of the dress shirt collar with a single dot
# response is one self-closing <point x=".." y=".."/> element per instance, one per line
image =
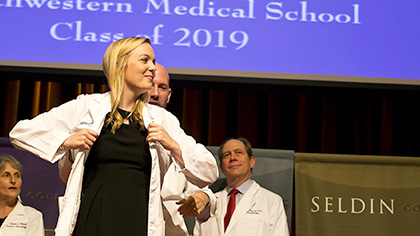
<point x="243" y="188"/>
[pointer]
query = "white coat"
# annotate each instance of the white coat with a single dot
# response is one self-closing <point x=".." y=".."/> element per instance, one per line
<point x="44" y="134"/>
<point x="23" y="221"/>
<point x="260" y="212"/>
<point x="176" y="187"/>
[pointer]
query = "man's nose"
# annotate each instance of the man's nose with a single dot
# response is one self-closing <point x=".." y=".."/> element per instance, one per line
<point x="154" y="91"/>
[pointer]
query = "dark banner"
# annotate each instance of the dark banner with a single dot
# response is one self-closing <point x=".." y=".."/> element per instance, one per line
<point x="357" y="195"/>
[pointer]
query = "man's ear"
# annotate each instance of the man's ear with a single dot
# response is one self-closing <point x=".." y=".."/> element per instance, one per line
<point x="169" y="95"/>
<point x="252" y="160"/>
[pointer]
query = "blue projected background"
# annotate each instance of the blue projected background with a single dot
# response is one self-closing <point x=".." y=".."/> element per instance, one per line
<point x="346" y="38"/>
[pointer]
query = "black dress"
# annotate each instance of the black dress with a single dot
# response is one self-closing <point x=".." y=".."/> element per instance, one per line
<point x="115" y="190"/>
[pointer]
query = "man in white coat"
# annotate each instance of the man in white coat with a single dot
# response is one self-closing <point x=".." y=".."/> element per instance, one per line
<point x="175" y="186"/>
<point x="256" y="210"/>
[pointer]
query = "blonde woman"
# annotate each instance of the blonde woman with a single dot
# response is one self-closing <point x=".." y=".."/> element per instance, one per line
<point x="115" y="149"/>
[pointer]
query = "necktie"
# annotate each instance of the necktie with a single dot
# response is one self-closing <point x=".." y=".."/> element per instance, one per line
<point x="230" y="207"/>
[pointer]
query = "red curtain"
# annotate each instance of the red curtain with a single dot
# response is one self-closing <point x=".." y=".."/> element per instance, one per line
<point x="304" y="119"/>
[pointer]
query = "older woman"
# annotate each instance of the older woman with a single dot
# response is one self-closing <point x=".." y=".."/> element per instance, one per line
<point x="16" y="219"/>
<point x="117" y="148"/>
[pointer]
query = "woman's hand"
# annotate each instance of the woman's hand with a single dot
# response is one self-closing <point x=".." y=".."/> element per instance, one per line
<point x="158" y="133"/>
<point x="83" y="139"/>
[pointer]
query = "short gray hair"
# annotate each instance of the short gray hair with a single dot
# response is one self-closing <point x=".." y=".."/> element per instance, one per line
<point x="8" y="159"/>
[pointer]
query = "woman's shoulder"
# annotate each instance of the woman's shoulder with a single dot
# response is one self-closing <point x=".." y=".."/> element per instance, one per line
<point x="157" y="111"/>
<point x="161" y="116"/>
<point x="89" y="100"/>
<point x="30" y="211"/>
<point x="94" y="96"/>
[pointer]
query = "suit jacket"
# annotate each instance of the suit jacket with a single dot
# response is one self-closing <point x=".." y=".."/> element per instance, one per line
<point x="260" y="212"/>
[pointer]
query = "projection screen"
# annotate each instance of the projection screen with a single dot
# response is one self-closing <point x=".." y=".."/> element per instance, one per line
<point x="344" y="41"/>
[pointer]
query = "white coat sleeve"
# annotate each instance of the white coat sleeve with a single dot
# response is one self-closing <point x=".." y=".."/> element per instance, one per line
<point x="191" y="189"/>
<point x="44" y="134"/>
<point x="200" y="164"/>
<point x="210" y="210"/>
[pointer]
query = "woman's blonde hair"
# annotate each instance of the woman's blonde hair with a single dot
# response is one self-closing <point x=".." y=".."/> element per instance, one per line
<point x="114" y="64"/>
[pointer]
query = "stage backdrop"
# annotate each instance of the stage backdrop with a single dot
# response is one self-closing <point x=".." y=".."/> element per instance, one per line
<point x="357" y="195"/>
<point x="42" y="185"/>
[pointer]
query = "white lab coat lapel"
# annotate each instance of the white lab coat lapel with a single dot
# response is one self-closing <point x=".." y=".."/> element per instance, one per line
<point x="94" y="119"/>
<point x="153" y="114"/>
<point x="155" y="228"/>
<point x="246" y="203"/>
<point x="17" y="212"/>
<point x="221" y="210"/>
<point x="98" y="111"/>
<point x="148" y="118"/>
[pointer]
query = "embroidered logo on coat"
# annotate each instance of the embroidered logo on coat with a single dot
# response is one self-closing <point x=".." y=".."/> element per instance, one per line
<point x="256" y="212"/>
<point x="16" y="225"/>
<point x="86" y="123"/>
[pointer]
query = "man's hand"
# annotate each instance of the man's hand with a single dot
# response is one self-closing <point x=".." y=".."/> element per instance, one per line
<point x="193" y="205"/>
